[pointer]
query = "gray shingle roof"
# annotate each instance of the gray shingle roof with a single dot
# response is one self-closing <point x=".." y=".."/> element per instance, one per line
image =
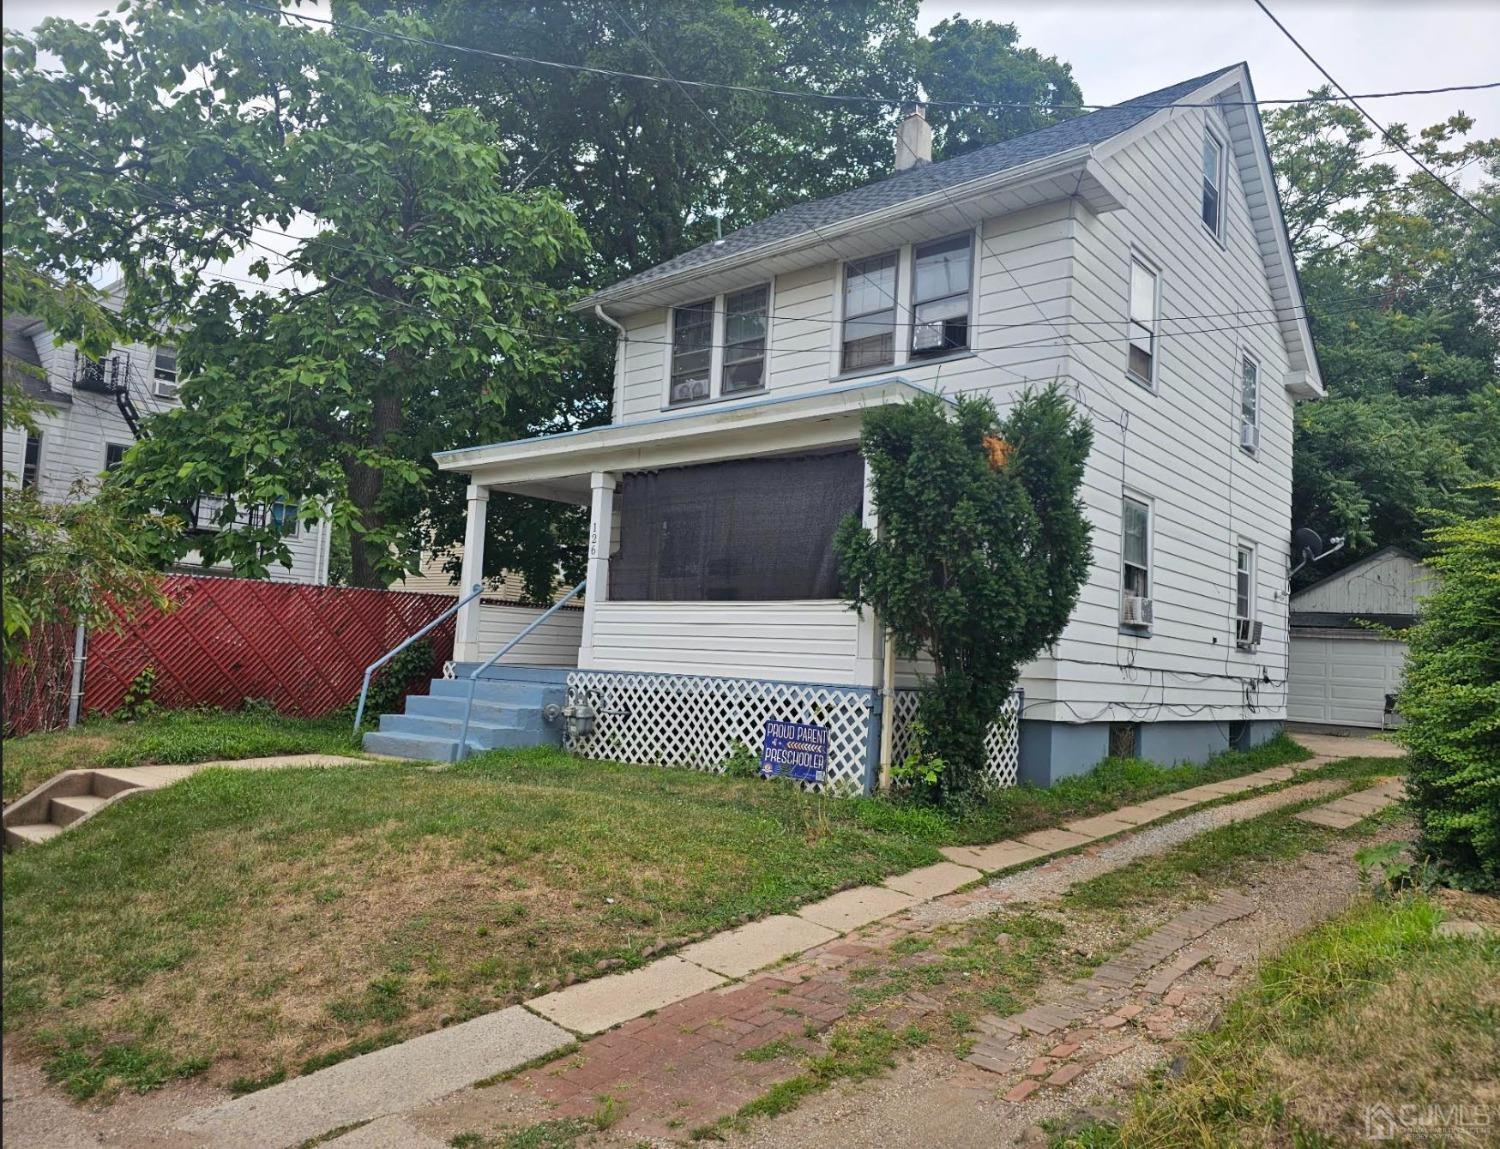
<point x="20" y="349"/>
<point x="1094" y="128"/>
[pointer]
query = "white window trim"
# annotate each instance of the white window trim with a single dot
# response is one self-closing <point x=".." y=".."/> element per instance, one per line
<point x="1128" y="495"/>
<point x="1253" y="597"/>
<point x="1212" y="132"/>
<point x="1247" y="356"/>
<point x="716" y="350"/>
<point x="1138" y="256"/>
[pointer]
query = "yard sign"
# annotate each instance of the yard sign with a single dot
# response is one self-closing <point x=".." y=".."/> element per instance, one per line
<point x="795" y="750"/>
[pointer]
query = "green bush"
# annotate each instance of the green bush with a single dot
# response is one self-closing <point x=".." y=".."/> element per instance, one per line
<point x="1451" y="703"/>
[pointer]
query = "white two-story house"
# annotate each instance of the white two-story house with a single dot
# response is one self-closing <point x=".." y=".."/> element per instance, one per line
<point x="93" y="411"/>
<point x="1137" y="254"/>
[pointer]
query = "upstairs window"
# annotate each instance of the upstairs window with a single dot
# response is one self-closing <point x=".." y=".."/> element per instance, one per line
<point x="870" y="313"/>
<point x="745" y="340"/>
<point x="942" y="273"/>
<point x="1135" y="563"/>
<point x="1249" y="403"/>
<point x="31" y="463"/>
<point x="165" y="371"/>
<point x="1144" y="295"/>
<point x="692" y="351"/>
<point x="1213" y="183"/>
<point x="114" y="455"/>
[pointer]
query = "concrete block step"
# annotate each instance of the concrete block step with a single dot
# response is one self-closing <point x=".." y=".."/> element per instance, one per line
<point x="31" y="835"/>
<point x="482" y="735"/>
<point x="413" y="746"/>
<point x="551" y="675"/>
<point x="515" y="693"/>
<point x="499" y="713"/>
<point x="66" y="811"/>
<point x="106" y="784"/>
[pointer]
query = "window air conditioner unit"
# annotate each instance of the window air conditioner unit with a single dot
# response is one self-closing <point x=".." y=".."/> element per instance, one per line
<point x="1249" y="436"/>
<point x="1247" y="633"/>
<point x="1136" y="611"/>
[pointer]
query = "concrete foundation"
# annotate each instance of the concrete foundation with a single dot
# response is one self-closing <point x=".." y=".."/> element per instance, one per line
<point x="1051" y="751"/>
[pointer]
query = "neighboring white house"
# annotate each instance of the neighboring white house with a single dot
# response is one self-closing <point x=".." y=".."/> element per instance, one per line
<point x="92" y="412"/>
<point x="1346" y="666"/>
<point x="1137" y="254"/>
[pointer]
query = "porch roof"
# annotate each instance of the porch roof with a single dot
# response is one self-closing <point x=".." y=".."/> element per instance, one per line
<point x="558" y="466"/>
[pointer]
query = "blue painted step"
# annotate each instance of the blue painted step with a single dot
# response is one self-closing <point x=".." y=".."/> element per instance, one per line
<point x="507" y="712"/>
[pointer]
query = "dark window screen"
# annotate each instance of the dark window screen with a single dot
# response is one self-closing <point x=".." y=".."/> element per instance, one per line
<point x="751" y="530"/>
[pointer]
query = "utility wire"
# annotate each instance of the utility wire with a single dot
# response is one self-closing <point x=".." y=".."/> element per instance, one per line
<point x="838" y="97"/>
<point x="1384" y="132"/>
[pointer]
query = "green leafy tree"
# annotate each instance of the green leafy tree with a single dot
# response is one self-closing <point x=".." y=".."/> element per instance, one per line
<point x="982" y="548"/>
<point x="1404" y="306"/>
<point x="433" y="312"/>
<point x="1451" y="700"/>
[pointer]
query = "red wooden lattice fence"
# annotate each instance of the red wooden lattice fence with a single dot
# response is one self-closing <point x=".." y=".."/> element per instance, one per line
<point x="303" y="649"/>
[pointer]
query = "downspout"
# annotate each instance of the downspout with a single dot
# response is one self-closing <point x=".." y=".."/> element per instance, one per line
<point x="617" y="398"/>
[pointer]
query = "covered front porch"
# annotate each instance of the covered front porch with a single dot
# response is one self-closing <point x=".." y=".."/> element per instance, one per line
<point x="710" y="535"/>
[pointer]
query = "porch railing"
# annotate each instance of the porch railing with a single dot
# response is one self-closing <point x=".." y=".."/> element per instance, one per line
<point x="364" y="691"/>
<point x="463" y="738"/>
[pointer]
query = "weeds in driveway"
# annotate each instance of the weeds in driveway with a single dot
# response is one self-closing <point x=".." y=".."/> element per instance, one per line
<point x="1194" y="869"/>
<point x="1373" y="1017"/>
<point x="171" y="736"/>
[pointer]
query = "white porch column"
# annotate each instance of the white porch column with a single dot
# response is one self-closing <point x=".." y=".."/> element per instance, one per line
<point x="466" y="629"/>
<point x="601" y="521"/>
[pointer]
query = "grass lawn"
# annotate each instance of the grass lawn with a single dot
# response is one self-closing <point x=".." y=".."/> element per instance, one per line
<point x="1373" y="1009"/>
<point x="262" y="924"/>
<point x="172" y="736"/>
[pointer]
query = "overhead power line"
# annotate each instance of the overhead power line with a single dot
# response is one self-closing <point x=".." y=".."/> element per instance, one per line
<point x="831" y="97"/>
<point x="1378" y="126"/>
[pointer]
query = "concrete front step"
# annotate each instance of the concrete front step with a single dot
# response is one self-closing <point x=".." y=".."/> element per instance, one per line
<point x="413" y="746"/>
<point x="482" y="735"/>
<point x="496" y="713"/>
<point x="499" y="693"/>
<point x="32" y="835"/>
<point x="66" y="811"/>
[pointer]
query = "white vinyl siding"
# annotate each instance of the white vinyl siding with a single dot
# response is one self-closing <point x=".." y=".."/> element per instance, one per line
<point x="553" y="643"/>
<point x="807" y="641"/>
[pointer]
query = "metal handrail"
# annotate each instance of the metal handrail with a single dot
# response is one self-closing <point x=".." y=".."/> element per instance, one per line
<point x="463" y="738"/>
<point x="359" y="711"/>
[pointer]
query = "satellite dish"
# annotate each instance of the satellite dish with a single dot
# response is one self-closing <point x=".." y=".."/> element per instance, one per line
<point x="1306" y="542"/>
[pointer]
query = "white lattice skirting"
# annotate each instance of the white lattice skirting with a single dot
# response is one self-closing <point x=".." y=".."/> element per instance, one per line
<point x="696" y="721"/>
<point x="1002" y="742"/>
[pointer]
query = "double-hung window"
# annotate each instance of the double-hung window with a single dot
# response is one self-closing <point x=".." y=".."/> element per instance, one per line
<point x="1249" y="403"/>
<point x="1135" y="562"/>
<point x="869" y="313"/>
<point x="745" y="340"/>
<point x="1213" y="184"/>
<point x="1244" y="589"/>
<point x="114" y="455"/>
<point x="942" y="272"/>
<point x="31" y="462"/>
<point x="692" y="352"/>
<point x="165" y="371"/>
<point x="1144" y="297"/>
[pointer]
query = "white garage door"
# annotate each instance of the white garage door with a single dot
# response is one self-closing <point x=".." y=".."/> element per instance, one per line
<point x="1343" y="681"/>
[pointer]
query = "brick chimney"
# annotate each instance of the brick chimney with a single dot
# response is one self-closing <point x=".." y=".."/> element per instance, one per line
<point x="913" y="138"/>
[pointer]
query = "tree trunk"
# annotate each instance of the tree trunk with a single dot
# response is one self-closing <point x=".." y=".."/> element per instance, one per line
<point x="365" y="485"/>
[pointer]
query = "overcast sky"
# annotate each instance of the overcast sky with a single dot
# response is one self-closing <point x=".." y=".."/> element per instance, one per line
<point x="1121" y="49"/>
